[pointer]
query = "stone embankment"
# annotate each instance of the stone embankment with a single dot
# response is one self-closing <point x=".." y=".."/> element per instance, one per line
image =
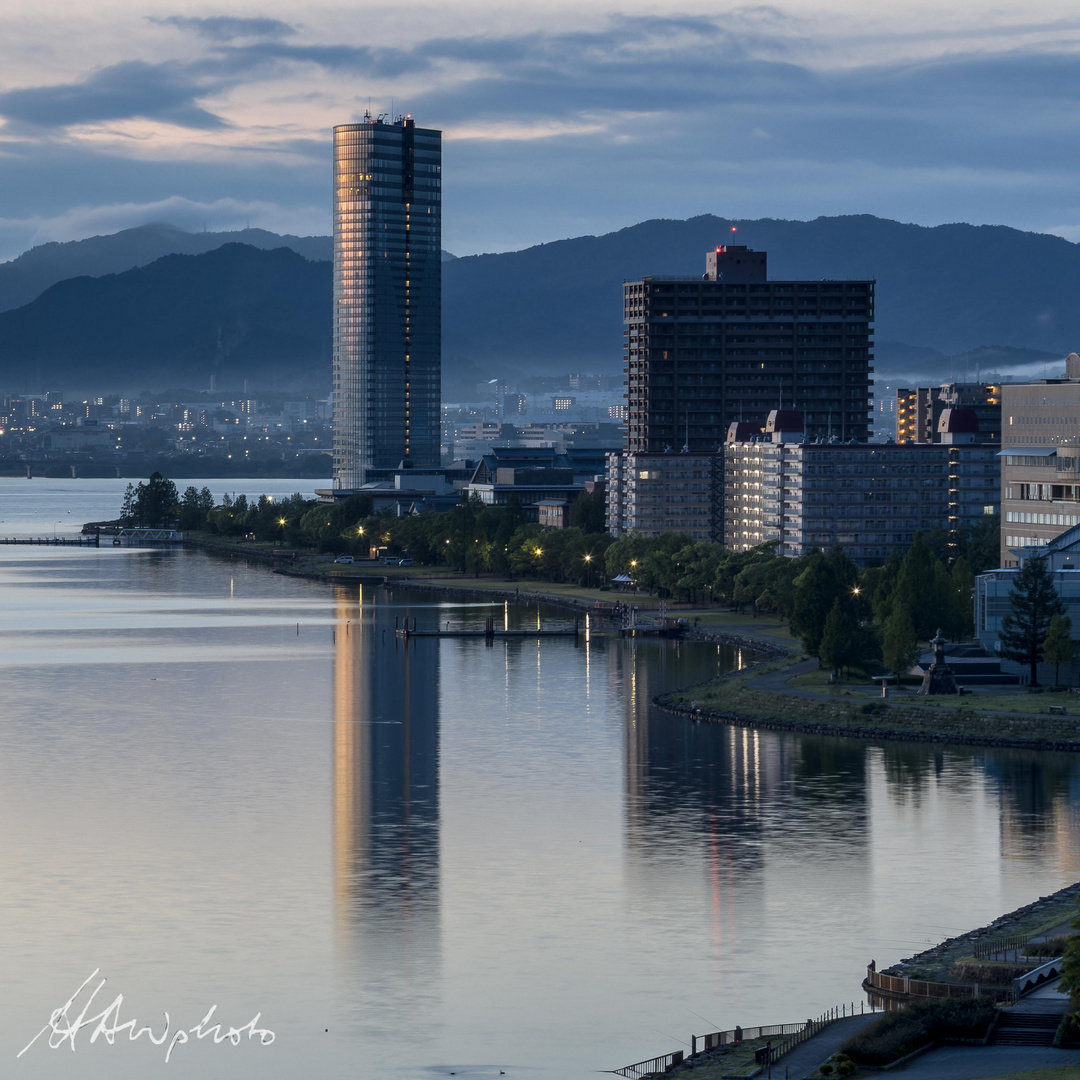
<point x="1036" y="919"/>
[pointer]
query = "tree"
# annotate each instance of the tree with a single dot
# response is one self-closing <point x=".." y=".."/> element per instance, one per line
<point x="963" y="586"/>
<point x="839" y="638"/>
<point x="127" y="510"/>
<point x="1070" y="967"/>
<point x="155" y="502"/>
<point x="588" y="512"/>
<point x="824" y="579"/>
<point x="1033" y="602"/>
<point x="1059" y="648"/>
<point x="923" y="587"/>
<point x="899" y="648"/>
<point x="814" y="595"/>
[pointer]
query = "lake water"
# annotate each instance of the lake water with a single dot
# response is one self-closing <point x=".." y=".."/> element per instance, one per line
<point x="44" y="507"/>
<point x="223" y="786"/>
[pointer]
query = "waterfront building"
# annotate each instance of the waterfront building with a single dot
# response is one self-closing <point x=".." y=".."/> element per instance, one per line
<point x="992" y="604"/>
<point x="919" y="409"/>
<point x="1040" y="472"/>
<point x="387" y="297"/>
<point x="703" y="352"/>
<point x="651" y="494"/>
<point x="870" y="498"/>
<point x="536" y="477"/>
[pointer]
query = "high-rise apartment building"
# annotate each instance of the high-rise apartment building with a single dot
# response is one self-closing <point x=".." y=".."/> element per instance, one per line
<point x="870" y="498"/>
<point x="702" y="353"/>
<point x="387" y="297"/>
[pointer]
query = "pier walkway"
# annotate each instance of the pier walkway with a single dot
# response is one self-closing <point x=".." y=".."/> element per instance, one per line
<point x="54" y="541"/>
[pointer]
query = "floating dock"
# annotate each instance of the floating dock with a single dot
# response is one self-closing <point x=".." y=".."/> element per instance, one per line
<point x="489" y="631"/>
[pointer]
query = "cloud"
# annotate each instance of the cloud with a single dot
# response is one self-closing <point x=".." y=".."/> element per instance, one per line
<point x="134" y="88"/>
<point x="578" y="127"/>
<point x="382" y="62"/>
<point x="226" y="27"/>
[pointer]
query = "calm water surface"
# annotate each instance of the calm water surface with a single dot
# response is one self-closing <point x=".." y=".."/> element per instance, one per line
<point x="223" y="786"/>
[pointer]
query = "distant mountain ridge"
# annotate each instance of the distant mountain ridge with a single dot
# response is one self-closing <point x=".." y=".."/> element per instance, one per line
<point x="949" y="289"/>
<point x="985" y="295"/>
<point x="233" y="313"/>
<point x="26" y="277"/>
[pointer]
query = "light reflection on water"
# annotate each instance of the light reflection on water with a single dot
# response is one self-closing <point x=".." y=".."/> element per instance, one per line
<point x="451" y="855"/>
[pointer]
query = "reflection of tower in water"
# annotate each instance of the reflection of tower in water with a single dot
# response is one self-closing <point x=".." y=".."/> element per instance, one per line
<point x="386" y="805"/>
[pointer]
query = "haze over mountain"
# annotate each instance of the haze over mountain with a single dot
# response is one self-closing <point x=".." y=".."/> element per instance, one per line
<point x="234" y="313"/>
<point x="28" y="276"/>
<point x="990" y="296"/>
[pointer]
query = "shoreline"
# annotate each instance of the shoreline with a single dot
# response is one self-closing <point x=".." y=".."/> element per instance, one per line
<point x="805" y="727"/>
<point x="741" y="704"/>
<point x="764" y="709"/>
<point x="579" y="601"/>
<point x="1053" y="911"/>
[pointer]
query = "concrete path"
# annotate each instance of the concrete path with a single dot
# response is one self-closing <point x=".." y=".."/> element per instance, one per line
<point x="976" y="1062"/>
<point x="804" y="1059"/>
<point x="777" y="681"/>
<point x="1048" y="998"/>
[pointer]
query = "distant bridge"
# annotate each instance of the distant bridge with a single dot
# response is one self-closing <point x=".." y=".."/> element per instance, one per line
<point x="134" y="537"/>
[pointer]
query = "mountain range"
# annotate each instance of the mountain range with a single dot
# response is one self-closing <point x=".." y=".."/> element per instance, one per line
<point x="156" y="306"/>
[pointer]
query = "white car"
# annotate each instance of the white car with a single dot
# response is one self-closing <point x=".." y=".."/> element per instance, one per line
<point x="348" y="559"/>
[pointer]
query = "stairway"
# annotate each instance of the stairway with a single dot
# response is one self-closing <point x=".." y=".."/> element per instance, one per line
<point x="1025" y="1029"/>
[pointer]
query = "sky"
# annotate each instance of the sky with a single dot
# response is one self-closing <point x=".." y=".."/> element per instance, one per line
<point x="559" y="120"/>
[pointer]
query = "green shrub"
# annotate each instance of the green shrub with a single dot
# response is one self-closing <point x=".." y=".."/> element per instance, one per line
<point x="899" y="1033"/>
<point x="1051" y="947"/>
<point x="826" y="1069"/>
<point x="989" y="974"/>
<point x="843" y="1065"/>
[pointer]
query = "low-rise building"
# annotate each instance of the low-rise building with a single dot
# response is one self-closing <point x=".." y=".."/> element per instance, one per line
<point x="533" y="476"/>
<point x="992" y="602"/>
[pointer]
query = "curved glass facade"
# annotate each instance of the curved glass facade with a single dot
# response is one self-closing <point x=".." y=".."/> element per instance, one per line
<point x="387" y="297"/>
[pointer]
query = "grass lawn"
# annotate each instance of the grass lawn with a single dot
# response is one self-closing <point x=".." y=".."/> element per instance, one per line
<point x="737" y="1061"/>
<point x="1022" y="717"/>
<point x="767" y="625"/>
<point x="1009" y="702"/>
<point x="1058" y="1072"/>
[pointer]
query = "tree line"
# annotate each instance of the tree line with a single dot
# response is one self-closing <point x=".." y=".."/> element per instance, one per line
<point x="846" y="615"/>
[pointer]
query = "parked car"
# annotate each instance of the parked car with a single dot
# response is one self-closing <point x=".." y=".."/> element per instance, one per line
<point x="405" y="562"/>
<point x="348" y="559"/>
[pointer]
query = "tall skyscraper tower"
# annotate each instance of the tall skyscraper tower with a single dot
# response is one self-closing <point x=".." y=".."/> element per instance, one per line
<point x="387" y="297"/>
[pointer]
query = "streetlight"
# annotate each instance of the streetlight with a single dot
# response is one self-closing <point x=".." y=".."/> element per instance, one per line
<point x="281" y="532"/>
<point x="588" y="569"/>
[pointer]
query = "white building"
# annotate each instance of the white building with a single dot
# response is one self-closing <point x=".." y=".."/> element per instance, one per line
<point x="871" y="498"/>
